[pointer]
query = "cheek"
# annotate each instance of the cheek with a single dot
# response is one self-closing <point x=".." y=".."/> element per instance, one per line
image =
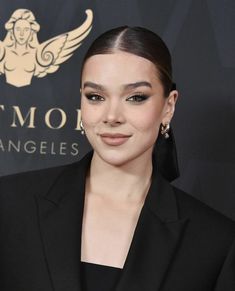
<point x="27" y="34"/>
<point x="147" y="120"/>
<point x="15" y="32"/>
<point x="90" y="114"/>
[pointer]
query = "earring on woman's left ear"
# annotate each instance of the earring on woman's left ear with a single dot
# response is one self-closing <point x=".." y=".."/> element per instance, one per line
<point x="165" y="129"/>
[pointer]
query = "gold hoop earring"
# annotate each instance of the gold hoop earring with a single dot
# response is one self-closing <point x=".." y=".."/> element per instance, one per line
<point x="165" y="129"/>
<point x="82" y="128"/>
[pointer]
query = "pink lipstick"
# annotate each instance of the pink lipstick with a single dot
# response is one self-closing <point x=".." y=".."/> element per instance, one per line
<point x="114" y="139"/>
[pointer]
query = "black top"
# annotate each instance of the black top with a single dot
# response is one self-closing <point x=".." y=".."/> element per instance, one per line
<point x="99" y="277"/>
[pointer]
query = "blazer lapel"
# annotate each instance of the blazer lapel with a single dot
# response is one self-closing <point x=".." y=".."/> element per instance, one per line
<point x="156" y="238"/>
<point x="60" y="221"/>
<point x="155" y="241"/>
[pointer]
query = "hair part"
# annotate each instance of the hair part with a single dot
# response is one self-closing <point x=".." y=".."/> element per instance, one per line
<point x="138" y="41"/>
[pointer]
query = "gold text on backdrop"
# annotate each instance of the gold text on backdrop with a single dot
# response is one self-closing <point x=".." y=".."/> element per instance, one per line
<point x="28" y="119"/>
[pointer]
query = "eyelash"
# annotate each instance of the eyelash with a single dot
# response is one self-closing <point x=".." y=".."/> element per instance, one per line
<point x="96" y="99"/>
<point x="137" y="98"/>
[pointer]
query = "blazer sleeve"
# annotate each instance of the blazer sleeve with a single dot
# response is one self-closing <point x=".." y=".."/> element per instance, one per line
<point x="226" y="278"/>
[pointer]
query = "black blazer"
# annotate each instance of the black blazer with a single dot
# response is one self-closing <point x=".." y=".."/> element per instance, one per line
<point x="179" y="243"/>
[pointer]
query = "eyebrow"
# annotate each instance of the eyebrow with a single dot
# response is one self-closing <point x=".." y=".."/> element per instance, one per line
<point x="126" y="86"/>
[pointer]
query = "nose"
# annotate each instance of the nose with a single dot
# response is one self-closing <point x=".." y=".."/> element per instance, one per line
<point x="21" y="32"/>
<point x="114" y="114"/>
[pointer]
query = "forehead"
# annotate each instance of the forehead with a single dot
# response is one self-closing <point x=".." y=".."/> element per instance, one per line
<point x="120" y="67"/>
<point x="22" y="22"/>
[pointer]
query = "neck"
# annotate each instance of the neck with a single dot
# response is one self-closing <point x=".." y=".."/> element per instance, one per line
<point x="127" y="183"/>
<point x="20" y="47"/>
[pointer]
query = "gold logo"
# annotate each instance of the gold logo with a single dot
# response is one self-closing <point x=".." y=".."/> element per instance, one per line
<point x="22" y="56"/>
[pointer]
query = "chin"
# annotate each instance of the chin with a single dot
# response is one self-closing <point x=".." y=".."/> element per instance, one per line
<point x="117" y="158"/>
<point x="114" y="159"/>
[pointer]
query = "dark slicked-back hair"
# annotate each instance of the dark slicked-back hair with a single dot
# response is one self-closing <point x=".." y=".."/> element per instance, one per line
<point x="138" y="41"/>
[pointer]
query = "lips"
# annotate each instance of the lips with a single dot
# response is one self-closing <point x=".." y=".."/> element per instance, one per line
<point x="114" y="135"/>
<point x="114" y="139"/>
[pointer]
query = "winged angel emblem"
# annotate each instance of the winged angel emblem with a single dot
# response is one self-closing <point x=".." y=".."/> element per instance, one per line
<point x="22" y="56"/>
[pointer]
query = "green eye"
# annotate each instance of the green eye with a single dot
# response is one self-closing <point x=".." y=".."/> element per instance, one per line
<point x="94" y="97"/>
<point x="137" y="98"/>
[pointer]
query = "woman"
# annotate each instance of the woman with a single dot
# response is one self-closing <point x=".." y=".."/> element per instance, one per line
<point x="112" y="221"/>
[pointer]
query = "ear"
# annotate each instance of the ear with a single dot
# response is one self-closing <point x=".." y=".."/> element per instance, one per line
<point x="169" y="107"/>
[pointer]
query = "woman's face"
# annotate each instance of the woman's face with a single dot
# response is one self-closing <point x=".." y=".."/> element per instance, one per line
<point x="22" y="31"/>
<point x="122" y="106"/>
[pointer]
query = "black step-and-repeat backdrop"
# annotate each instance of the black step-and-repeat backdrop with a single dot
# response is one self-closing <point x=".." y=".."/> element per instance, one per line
<point x="41" y="49"/>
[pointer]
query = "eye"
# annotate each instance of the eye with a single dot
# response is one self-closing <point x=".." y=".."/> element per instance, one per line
<point x="138" y="98"/>
<point x="94" y="97"/>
